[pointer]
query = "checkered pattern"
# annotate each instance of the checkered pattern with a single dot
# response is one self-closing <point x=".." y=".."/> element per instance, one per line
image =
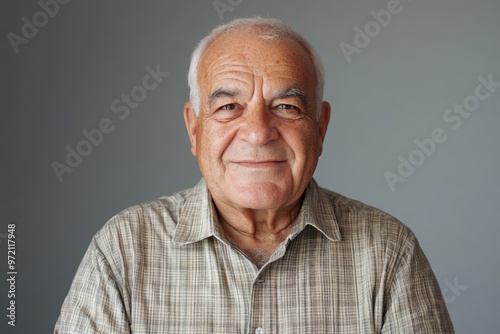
<point x="165" y="267"/>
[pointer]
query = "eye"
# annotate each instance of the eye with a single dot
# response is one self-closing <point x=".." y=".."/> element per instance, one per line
<point x="288" y="111"/>
<point x="230" y="106"/>
<point x="227" y="112"/>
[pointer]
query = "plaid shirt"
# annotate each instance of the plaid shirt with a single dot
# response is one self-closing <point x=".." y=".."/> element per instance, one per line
<point x="165" y="267"/>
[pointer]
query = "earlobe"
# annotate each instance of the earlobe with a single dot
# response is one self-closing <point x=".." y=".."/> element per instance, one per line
<point x="323" y="121"/>
<point x="191" y="121"/>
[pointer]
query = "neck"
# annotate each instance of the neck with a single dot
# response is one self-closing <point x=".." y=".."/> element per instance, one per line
<point x="257" y="233"/>
<point x="258" y="224"/>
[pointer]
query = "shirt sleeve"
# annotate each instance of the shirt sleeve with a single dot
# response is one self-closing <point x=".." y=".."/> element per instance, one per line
<point x="95" y="302"/>
<point x="414" y="303"/>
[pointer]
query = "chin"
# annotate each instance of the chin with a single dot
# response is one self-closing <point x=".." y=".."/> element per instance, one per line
<point x="259" y="195"/>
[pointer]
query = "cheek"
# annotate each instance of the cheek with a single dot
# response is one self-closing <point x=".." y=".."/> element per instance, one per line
<point x="303" y="143"/>
<point x="306" y="152"/>
<point x="214" y="141"/>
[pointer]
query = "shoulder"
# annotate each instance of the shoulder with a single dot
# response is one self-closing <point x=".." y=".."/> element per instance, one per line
<point x="346" y="208"/>
<point x="143" y="221"/>
<point x="358" y="222"/>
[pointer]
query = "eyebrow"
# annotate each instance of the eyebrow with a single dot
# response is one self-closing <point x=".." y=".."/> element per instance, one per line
<point x="292" y="92"/>
<point x="222" y="93"/>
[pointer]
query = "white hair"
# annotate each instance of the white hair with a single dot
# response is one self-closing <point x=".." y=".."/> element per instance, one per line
<point x="273" y="30"/>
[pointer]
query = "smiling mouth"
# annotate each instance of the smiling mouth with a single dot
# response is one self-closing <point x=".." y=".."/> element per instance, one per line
<point x="258" y="164"/>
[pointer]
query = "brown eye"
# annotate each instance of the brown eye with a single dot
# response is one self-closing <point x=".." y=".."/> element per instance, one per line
<point x="227" y="112"/>
<point x="230" y="106"/>
<point x="288" y="111"/>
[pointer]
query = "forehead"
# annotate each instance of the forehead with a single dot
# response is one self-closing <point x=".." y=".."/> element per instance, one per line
<point x="239" y="55"/>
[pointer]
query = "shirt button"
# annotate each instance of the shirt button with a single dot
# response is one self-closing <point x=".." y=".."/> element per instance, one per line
<point x="260" y="280"/>
<point x="259" y="331"/>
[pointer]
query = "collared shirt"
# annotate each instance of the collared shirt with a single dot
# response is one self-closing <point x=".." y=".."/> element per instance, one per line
<point x="166" y="267"/>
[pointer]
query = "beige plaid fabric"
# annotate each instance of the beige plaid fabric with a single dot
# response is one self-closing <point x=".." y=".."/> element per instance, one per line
<point x="165" y="267"/>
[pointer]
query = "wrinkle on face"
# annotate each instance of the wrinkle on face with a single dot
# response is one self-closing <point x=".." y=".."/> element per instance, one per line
<point x="251" y="77"/>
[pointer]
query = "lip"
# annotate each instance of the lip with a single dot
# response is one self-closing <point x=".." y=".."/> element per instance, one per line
<point x="258" y="164"/>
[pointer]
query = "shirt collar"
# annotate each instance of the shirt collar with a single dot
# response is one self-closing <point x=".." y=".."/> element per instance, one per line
<point x="317" y="210"/>
<point x="198" y="218"/>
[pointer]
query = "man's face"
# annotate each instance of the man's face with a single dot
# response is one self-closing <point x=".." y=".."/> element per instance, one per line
<point x="257" y="138"/>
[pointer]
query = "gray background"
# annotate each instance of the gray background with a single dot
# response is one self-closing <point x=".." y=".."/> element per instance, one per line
<point x="394" y="91"/>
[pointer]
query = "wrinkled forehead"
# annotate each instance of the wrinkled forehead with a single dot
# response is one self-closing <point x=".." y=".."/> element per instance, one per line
<point x="262" y="55"/>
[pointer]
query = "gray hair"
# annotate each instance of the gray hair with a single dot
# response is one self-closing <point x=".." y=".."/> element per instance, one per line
<point x="274" y="30"/>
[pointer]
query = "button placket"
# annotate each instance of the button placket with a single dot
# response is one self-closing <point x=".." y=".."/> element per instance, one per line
<point x="258" y="311"/>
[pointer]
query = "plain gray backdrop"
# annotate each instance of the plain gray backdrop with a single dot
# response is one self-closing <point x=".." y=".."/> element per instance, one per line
<point x="389" y="91"/>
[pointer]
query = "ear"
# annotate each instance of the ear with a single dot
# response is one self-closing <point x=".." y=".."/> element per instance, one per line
<point x="191" y="121"/>
<point x="323" y="121"/>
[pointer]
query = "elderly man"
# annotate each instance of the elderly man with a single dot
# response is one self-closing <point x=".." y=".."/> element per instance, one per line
<point x="257" y="246"/>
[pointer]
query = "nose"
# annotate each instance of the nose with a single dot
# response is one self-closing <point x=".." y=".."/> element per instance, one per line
<point x="258" y="126"/>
